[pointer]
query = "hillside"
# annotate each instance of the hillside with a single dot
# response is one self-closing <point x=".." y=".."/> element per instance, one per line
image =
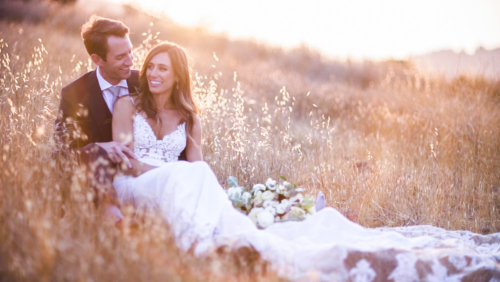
<point x="451" y="64"/>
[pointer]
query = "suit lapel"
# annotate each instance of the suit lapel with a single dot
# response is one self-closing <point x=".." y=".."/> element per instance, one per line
<point x="98" y="107"/>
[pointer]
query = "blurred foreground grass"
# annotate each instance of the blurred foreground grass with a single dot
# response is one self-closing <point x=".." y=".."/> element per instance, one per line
<point x="387" y="145"/>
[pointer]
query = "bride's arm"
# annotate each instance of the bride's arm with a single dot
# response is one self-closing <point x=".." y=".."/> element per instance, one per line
<point x="122" y="128"/>
<point x="193" y="146"/>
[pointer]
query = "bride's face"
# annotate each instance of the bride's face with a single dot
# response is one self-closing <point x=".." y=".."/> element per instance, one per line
<point x="160" y="74"/>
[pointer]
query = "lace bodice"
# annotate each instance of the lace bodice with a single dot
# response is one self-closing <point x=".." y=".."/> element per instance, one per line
<point x="147" y="146"/>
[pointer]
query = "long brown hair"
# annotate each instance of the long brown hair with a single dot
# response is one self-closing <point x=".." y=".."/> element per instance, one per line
<point x="182" y="97"/>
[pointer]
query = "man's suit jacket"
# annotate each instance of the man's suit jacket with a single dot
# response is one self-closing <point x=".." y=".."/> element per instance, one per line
<point x="84" y="116"/>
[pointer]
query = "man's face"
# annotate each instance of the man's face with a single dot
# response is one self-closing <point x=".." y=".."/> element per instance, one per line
<point x="118" y="60"/>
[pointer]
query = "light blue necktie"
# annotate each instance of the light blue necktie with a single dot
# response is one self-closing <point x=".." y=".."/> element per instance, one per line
<point x="115" y="90"/>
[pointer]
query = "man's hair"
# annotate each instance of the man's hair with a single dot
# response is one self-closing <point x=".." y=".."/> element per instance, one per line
<point x="95" y="34"/>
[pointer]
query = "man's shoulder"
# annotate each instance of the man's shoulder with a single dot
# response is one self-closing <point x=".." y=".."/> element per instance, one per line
<point x="135" y="73"/>
<point x="133" y="81"/>
<point x="134" y="77"/>
<point x="78" y="85"/>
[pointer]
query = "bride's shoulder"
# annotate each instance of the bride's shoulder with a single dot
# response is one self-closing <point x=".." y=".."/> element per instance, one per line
<point x="197" y="120"/>
<point x="196" y="129"/>
<point x="124" y="104"/>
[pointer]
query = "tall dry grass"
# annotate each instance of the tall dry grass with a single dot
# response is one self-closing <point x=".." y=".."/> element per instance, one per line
<point x="395" y="148"/>
<point x="51" y="229"/>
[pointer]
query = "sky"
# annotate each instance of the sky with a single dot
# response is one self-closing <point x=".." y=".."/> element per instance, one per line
<point x="355" y="29"/>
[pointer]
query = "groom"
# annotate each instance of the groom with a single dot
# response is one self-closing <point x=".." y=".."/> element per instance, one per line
<point x="84" y="119"/>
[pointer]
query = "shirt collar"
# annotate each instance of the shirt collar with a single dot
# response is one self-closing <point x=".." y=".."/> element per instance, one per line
<point x="104" y="84"/>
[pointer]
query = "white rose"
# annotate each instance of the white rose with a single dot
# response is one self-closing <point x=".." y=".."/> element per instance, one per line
<point x="270" y="210"/>
<point x="257" y="202"/>
<point x="295" y="214"/>
<point x="258" y="187"/>
<point x="257" y="199"/>
<point x="246" y="196"/>
<point x="281" y="189"/>
<point x="253" y="214"/>
<point x="267" y="203"/>
<point x="234" y="192"/>
<point x="268" y="195"/>
<point x="287" y="184"/>
<point x="271" y="184"/>
<point x="297" y="211"/>
<point x="265" y="219"/>
<point x="282" y="208"/>
<point x="311" y="210"/>
<point x="287" y="194"/>
<point x="297" y="198"/>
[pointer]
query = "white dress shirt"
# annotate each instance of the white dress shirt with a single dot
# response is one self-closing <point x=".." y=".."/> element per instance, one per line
<point x="105" y="85"/>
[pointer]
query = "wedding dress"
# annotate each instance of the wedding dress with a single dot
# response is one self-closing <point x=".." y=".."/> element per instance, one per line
<point x="324" y="247"/>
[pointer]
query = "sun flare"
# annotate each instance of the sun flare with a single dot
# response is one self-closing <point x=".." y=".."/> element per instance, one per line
<point x="340" y="29"/>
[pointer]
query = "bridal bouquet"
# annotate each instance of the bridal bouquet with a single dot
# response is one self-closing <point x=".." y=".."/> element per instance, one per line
<point x="271" y="202"/>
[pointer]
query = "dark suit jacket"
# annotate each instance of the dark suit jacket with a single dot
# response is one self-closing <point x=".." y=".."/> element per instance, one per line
<point x="84" y="116"/>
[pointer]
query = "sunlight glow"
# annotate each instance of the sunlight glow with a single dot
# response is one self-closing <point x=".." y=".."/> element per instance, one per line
<point x="356" y="29"/>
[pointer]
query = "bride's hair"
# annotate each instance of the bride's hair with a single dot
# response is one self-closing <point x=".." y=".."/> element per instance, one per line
<point x="181" y="97"/>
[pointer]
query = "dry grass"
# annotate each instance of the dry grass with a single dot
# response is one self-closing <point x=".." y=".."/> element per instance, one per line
<point x="387" y="145"/>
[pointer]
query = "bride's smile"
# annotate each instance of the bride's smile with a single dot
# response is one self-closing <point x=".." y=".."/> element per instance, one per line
<point x="160" y="74"/>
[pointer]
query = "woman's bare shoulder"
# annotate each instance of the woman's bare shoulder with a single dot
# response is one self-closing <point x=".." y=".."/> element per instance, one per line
<point x="196" y="125"/>
<point x="197" y="120"/>
<point x="124" y="103"/>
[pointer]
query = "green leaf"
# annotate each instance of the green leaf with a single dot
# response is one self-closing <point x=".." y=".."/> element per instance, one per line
<point x="233" y="181"/>
<point x="283" y="177"/>
<point x="308" y="202"/>
<point x="307" y="205"/>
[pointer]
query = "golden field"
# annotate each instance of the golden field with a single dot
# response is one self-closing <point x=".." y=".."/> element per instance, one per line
<point x="388" y="145"/>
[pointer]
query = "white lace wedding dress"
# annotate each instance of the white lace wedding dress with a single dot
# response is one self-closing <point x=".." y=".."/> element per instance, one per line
<point x="324" y="247"/>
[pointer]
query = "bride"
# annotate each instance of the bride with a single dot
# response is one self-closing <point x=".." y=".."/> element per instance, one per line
<point x="161" y="121"/>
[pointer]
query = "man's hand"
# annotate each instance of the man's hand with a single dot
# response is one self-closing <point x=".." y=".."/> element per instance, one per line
<point x="118" y="152"/>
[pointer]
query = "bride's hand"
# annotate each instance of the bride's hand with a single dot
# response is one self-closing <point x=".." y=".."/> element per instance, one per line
<point x="118" y="152"/>
<point x="137" y="168"/>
